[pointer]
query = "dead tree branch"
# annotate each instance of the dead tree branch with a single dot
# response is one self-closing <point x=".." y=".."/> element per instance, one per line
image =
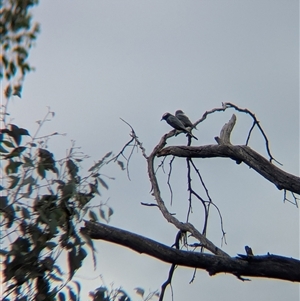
<point x="239" y="153"/>
<point x="184" y="227"/>
<point x="266" y="266"/>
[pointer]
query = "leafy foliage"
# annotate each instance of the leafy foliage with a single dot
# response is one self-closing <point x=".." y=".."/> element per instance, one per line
<point x="18" y="34"/>
<point x="43" y="200"/>
<point x="104" y="293"/>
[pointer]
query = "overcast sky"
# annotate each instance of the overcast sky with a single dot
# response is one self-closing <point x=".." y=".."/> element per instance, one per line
<point x="97" y="61"/>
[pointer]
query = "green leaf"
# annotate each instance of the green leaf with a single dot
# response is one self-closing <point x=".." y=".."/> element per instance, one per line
<point x="3" y="252"/>
<point x="82" y="254"/>
<point x="140" y="291"/>
<point x="93" y="216"/>
<point x="72" y="168"/>
<point x="54" y="277"/>
<point x="17" y="90"/>
<point x="12" y="167"/>
<point x="8" y="143"/>
<point x="3" y="150"/>
<point x="83" y="198"/>
<point x="28" y="162"/>
<point x="12" y="68"/>
<point x="21" y="245"/>
<point x="10" y="215"/>
<point x="3" y="202"/>
<point x="23" y="132"/>
<point x="4" y="59"/>
<point x="94" y="189"/>
<point x="102" y="214"/>
<point x="110" y="212"/>
<point x="61" y="296"/>
<point x="121" y="164"/>
<point x="72" y="262"/>
<point x="51" y="245"/>
<point x="16" y="152"/>
<point x="72" y="295"/>
<point x="100" y="294"/>
<point x="15" y="133"/>
<point x="57" y="270"/>
<point x="25" y="213"/>
<point x="53" y="225"/>
<point x="14" y="182"/>
<point x="28" y="180"/>
<point x="88" y="240"/>
<point x="46" y="158"/>
<point x="48" y="263"/>
<point x="24" y="68"/>
<point x="28" y="193"/>
<point x="103" y="183"/>
<point x="96" y="165"/>
<point x="41" y="170"/>
<point x="78" y="287"/>
<point x="42" y="216"/>
<point x="108" y="154"/>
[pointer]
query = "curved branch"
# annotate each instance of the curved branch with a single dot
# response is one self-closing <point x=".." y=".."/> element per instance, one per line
<point x="266" y="266"/>
<point x="239" y="153"/>
<point x="185" y="227"/>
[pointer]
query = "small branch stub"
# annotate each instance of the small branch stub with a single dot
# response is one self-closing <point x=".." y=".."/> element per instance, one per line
<point x="226" y="131"/>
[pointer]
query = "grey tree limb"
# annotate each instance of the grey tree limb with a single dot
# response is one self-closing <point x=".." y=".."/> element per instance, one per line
<point x="265" y="266"/>
<point x="239" y="153"/>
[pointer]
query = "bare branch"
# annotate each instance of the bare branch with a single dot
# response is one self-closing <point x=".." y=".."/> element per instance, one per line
<point x="171" y="271"/>
<point x="239" y="153"/>
<point x="255" y="122"/>
<point x="169" y="177"/>
<point x="229" y="105"/>
<point x="185" y="227"/>
<point x="266" y="266"/>
<point x="226" y="131"/>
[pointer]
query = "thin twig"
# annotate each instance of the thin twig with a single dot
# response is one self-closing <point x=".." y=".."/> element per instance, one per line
<point x="168" y="181"/>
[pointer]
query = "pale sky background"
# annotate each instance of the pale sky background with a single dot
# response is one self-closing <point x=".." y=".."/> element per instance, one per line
<point x="97" y="61"/>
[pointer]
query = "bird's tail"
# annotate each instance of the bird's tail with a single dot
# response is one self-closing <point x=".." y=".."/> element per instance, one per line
<point x="190" y="133"/>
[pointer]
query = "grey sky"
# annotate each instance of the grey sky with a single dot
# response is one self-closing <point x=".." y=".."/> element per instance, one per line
<point x="97" y="61"/>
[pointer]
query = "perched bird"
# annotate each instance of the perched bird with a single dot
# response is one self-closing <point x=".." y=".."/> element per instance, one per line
<point x="174" y="122"/>
<point x="184" y="119"/>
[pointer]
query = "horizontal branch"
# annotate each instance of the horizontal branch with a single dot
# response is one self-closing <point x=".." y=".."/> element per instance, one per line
<point x="267" y="266"/>
<point x="239" y="153"/>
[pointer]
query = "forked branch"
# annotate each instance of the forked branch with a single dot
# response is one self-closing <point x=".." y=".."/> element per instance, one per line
<point x="238" y="153"/>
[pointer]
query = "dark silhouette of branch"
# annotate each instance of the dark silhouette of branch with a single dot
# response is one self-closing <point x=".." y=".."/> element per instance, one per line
<point x="229" y="105"/>
<point x="171" y="271"/>
<point x="185" y="227"/>
<point x="239" y="153"/>
<point x="266" y="266"/>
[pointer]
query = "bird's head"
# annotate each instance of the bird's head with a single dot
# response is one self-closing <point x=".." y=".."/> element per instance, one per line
<point x="165" y="116"/>
<point x="179" y="112"/>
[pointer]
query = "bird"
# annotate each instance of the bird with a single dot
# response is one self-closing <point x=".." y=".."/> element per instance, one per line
<point x="175" y="123"/>
<point x="184" y="119"/>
